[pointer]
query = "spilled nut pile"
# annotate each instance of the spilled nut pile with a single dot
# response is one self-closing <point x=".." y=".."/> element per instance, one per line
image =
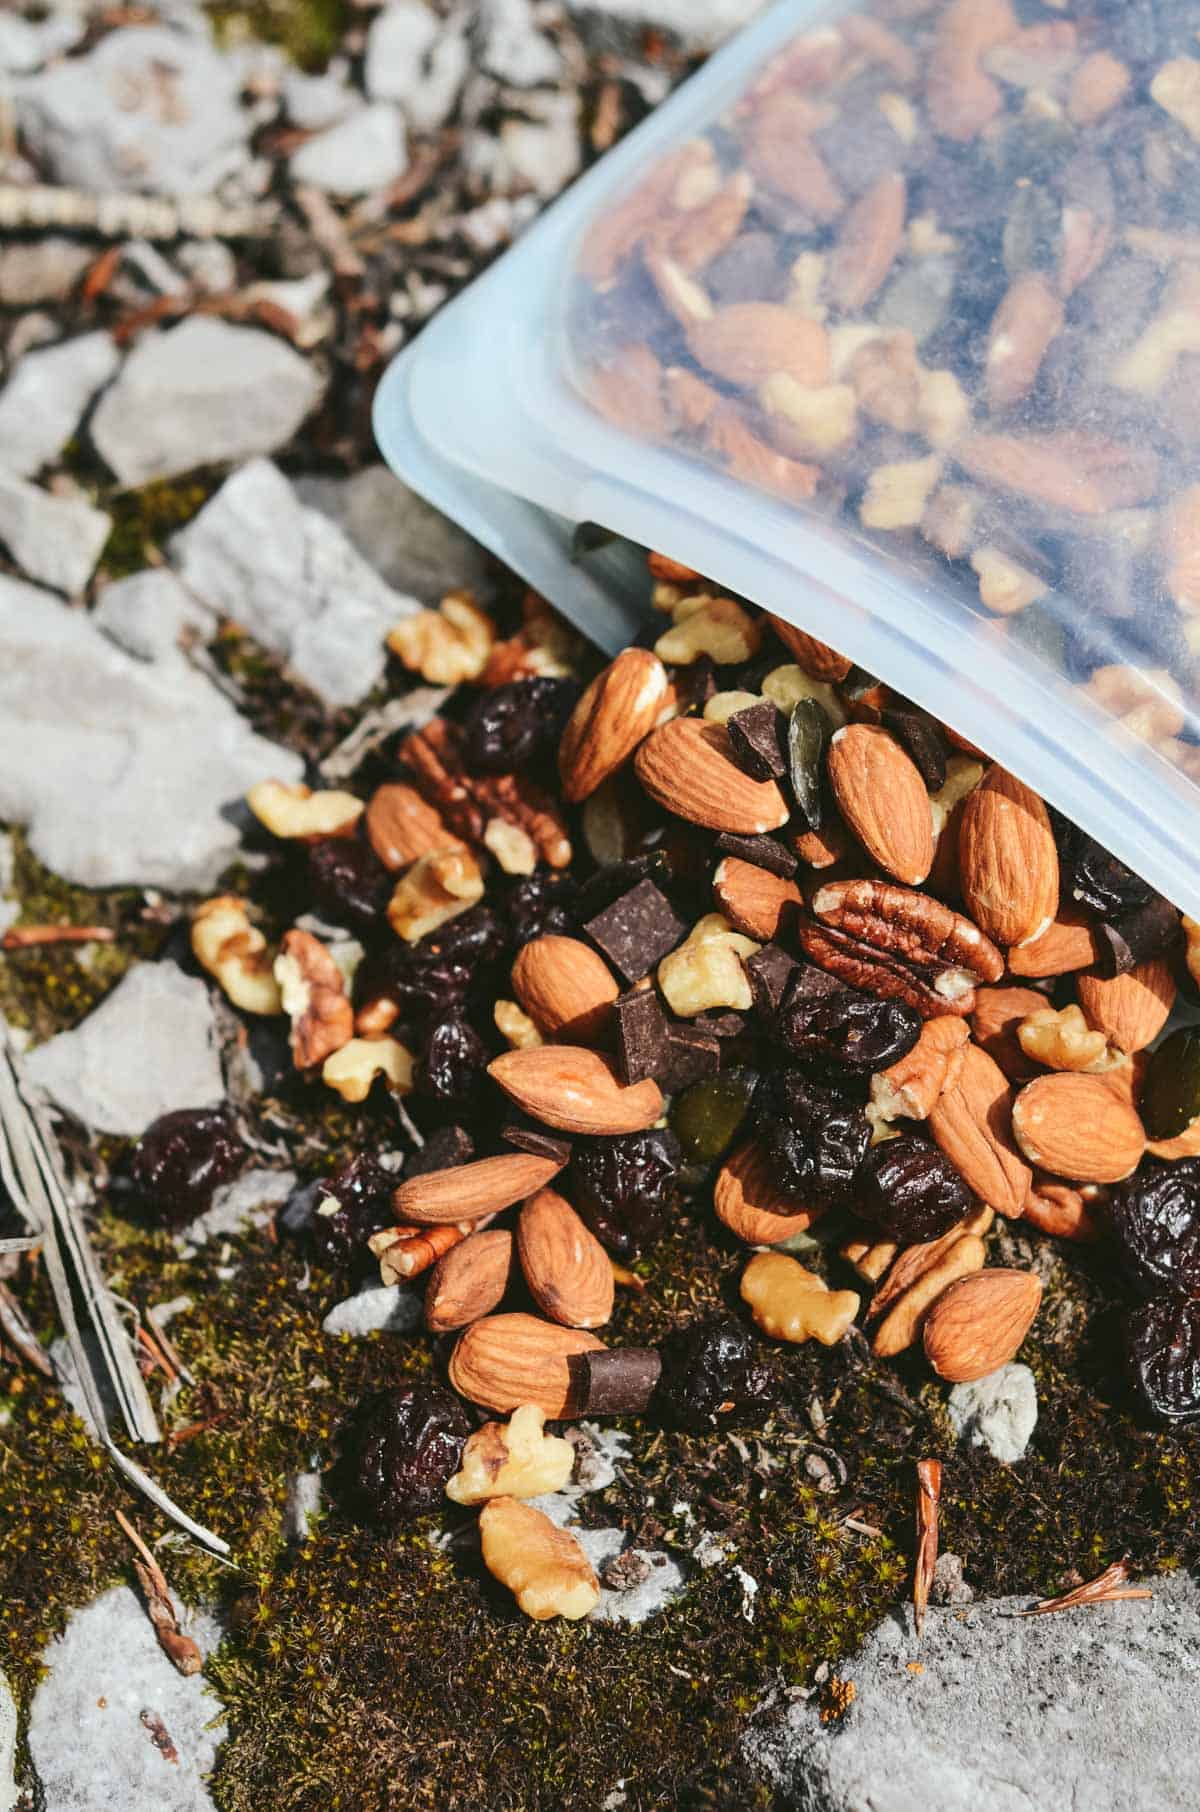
<point x="738" y="923"/>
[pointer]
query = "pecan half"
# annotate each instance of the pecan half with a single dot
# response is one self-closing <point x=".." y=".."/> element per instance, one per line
<point x="877" y="972"/>
<point x="469" y="803"/>
<point x="912" y="926"/>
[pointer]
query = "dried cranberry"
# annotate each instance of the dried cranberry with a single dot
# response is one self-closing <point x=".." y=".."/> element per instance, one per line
<point x="814" y="1137"/>
<point x="1156" y="1218"/>
<point x="430" y="978"/>
<point x="1094" y="877"/>
<point x="354" y="1203"/>
<point x="1162" y="1338"/>
<point x="179" y="1163"/>
<point x="350" y="885"/>
<point x="453" y="1061"/>
<point x="626" y="1187"/>
<point x="541" y="905"/>
<point x="713" y="1376"/>
<point x="510" y="726"/>
<point x="399" y="1451"/>
<point x="823" y="1020"/>
<point x="910" y="1189"/>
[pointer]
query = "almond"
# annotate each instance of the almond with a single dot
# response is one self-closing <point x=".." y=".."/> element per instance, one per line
<point x="883" y="799"/>
<point x="1028" y="318"/>
<point x="506" y="1360"/>
<point x="971" y="1125"/>
<point x="619" y="708"/>
<point x="998" y="1012"/>
<point x="1131" y="1010"/>
<point x="401" y="827"/>
<point x="687" y="768"/>
<point x="868" y="240"/>
<point x="466" y="1192"/>
<point x="905" y="1318"/>
<point x="468" y="1281"/>
<point x="750" y="1203"/>
<point x="1008" y="862"/>
<point x="567" y="1269"/>
<point x="915" y="1261"/>
<point x="978" y="1324"/>
<point x="746" y="342"/>
<point x="1078" y="1127"/>
<point x="754" y="901"/>
<point x="818" y="660"/>
<point x="1070" y="942"/>
<point x="575" y="1090"/>
<point x="565" y="987"/>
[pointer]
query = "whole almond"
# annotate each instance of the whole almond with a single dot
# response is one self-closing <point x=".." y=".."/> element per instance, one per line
<point x="1070" y="942"/>
<point x="1078" y="1127"/>
<point x="754" y="901"/>
<point x="998" y="1012"/>
<point x="506" y="1360"/>
<point x="748" y="341"/>
<point x="971" y="1125"/>
<point x="575" y="1090"/>
<point x="1131" y="1010"/>
<point x="1008" y="862"/>
<point x="868" y="240"/>
<point x="619" y="708"/>
<point x="565" y="988"/>
<point x="903" y="1321"/>
<point x="978" y="1324"/>
<point x="1028" y="318"/>
<point x="818" y="660"/>
<point x="915" y="1261"/>
<point x="687" y="767"/>
<point x="883" y="799"/>
<point x="469" y="1280"/>
<point x="567" y="1269"/>
<point x="401" y="827"/>
<point x="750" y="1203"/>
<point x="466" y="1192"/>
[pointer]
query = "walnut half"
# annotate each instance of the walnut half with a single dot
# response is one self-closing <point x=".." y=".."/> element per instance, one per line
<point x="516" y="1458"/>
<point x="544" y="1568"/>
<point x="235" y="953"/>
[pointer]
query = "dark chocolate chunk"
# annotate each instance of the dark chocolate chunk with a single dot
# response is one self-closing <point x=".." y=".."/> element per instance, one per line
<point x="922" y="741"/>
<point x="691" y="1056"/>
<point x="769" y="971"/>
<point x="541" y="1144"/>
<point x="722" y="1022"/>
<point x="641" y="1035"/>
<point x="696" y="684"/>
<point x="448" y="1146"/>
<point x="755" y="741"/>
<point x="617" y="878"/>
<point x="1133" y="937"/>
<point x="637" y="930"/>
<point x="764" y="852"/>
<point x="620" y="1381"/>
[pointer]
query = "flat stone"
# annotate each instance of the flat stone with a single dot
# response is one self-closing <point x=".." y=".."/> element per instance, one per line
<point x="148" y="109"/>
<point x="25" y="46"/>
<point x="122" y="771"/>
<point x="316" y="101"/>
<point x="417" y="60"/>
<point x="293" y="580"/>
<point x="702" y="23"/>
<point x="410" y="544"/>
<point x="54" y="539"/>
<point x="249" y="1201"/>
<point x="200" y="394"/>
<point x="41" y="270"/>
<point x="301" y="1507"/>
<point x="148" y="613"/>
<point x="543" y="150"/>
<point x="367" y="151"/>
<point x="1096" y="1709"/>
<point x="109" y="1691"/>
<point x="8" y="1747"/>
<point x="379" y="1309"/>
<point x="148" y="1048"/>
<point x="43" y="400"/>
<point x="998" y="1412"/>
<point x="511" y="47"/>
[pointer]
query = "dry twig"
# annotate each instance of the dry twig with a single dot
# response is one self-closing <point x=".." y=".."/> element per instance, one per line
<point x="1106" y="1588"/>
<point x="929" y="1491"/>
<point x="20" y="1336"/>
<point x="24" y="937"/>
<point x="179" y="1649"/>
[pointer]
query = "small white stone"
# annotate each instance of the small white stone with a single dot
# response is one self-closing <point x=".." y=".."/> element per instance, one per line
<point x="418" y="60"/>
<point x="302" y="1506"/>
<point x="379" y="1309"/>
<point x="8" y="1748"/>
<point x="56" y="540"/>
<point x="249" y="1201"/>
<point x="998" y="1412"/>
<point x="147" y="613"/>
<point x="42" y="402"/>
<point x="367" y="151"/>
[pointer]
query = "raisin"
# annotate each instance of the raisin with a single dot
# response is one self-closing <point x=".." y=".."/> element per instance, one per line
<point x="399" y="1451"/>
<point x="354" y="1203"/>
<point x="453" y="1062"/>
<point x="1156" y="1219"/>
<point x="180" y="1162"/>
<point x="350" y="886"/>
<point x="1170" y="1098"/>
<point x="626" y="1187"/>
<point x="706" y="1118"/>
<point x="815" y="1138"/>
<point x="910" y="1189"/>
<point x="713" y="1376"/>
<point x="1094" y="877"/>
<point x="541" y="905"/>
<point x="823" y="1020"/>
<point x="1162" y="1338"/>
<point x="427" y="980"/>
<point x="445" y="1147"/>
<point x="511" y="726"/>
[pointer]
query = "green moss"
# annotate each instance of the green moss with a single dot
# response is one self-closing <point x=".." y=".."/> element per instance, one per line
<point x="145" y="519"/>
<point x="308" y="30"/>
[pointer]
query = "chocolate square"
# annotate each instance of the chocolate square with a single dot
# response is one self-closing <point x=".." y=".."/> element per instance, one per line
<point x="756" y="741"/>
<point x="637" y="930"/>
<point x="769" y="972"/>
<point x="722" y="1022"/>
<point x="764" y="852"/>
<point x="692" y="1054"/>
<point x="641" y="1035"/>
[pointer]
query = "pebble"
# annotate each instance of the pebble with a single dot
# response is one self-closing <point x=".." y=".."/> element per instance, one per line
<point x="410" y="544"/>
<point x="109" y="1689"/>
<point x="41" y="270"/>
<point x="148" y="1048"/>
<point x="365" y="152"/>
<point x="417" y="60"/>
<point x="43" y="400"/>
<point x="701" y="23"/>
<point x="147" y="613"/>
<point x="56" y="540"/>
<point x="301" y="1507"/>
<point x="123" y="771"/>
<point x="542" y="150"/>
<point x="998" y="1412"/>
<point x="8" y="1747"/>
<point x="313" y="102"/>
<point x="293" y="581"/>
<point x="511" y="47"/>
<point x="200" y="394"/>
<point x="25" y="46"/>
<point x="249" y="1201"/>
<point x="378" y="1309"/>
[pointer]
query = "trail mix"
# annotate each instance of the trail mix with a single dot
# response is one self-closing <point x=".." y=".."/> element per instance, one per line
<point x="937" y="272"/>
<point x="735" y="924"/>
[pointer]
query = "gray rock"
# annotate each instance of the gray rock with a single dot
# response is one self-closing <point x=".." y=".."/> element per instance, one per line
<point x="109" y="1689"/>
<point x="301" y="1508"/>
<point x="1095" y="1709"/>
<point x="200" y="394"/>
<point x="8" y="1747"/>
<point x="702" y="23"/>
<point x="512" y="48"/>
<point x="148" y="1048"/>
<point x="409" y="543"/>
<point x="654" y="1580"/>
<point x="123" y="772"/>
<point x="148" y="613"/>
<point x="249" y="1201"/>
<point x="293" y="580"/>
<point x="148" y="109"/>
<point x="417" y="59"/>
<point x="54" y="539"/>
<point x="379" y="1309"/>
<point x="43" y="400"/>
<point x="314" y="102"/>
<point x="998" y="1412"/>
<point x="367" y="151"/>
<point x="542" y="149"/>
<point x="25" y="46"/>
<point x="41" y="270"/>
